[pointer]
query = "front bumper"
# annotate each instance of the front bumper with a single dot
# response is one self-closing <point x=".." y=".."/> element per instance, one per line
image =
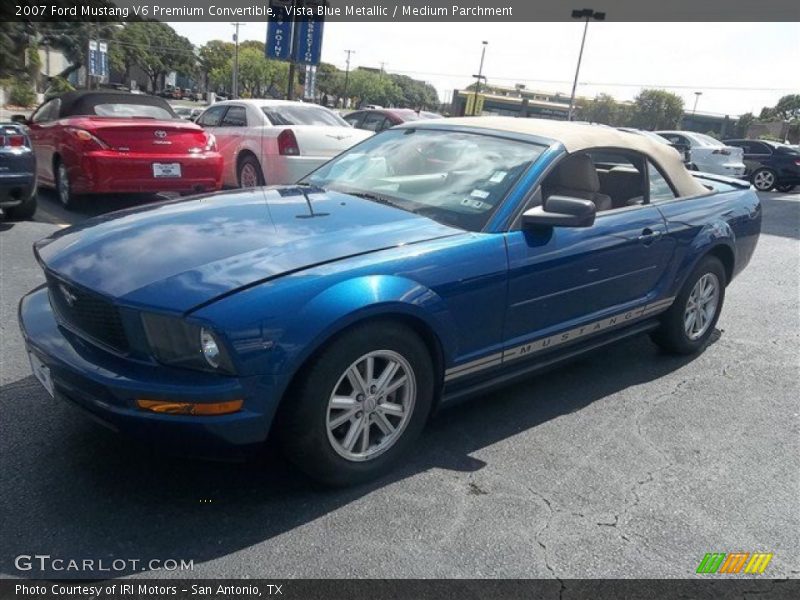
<point x="108" y="171"/>
<point x="106" y="386"/>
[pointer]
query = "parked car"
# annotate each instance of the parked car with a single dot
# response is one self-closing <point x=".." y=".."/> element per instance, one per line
<point x="709" y="155"/>
<point x="17" y="173"/>
<point x="112" y="142"/>
<point x="187" y="112"/>
<point x="434" y="261"/>
<point x="684" y="150"/>
<point x="770" y="165"/>
<point x="380" y="119"/>
<point x="268" y="142"/>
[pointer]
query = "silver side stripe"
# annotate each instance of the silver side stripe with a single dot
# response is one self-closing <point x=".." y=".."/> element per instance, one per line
<point x="560" y="338"/>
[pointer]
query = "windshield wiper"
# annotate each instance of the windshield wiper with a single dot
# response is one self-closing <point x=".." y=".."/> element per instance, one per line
<point x="376" y="198"/>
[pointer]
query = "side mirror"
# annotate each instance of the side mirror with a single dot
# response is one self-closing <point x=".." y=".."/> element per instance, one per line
<point x="562" y="211"/>
<point x="21" y="119"/>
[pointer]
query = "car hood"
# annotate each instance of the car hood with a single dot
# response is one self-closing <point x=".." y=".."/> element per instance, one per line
<point x="178" y="255"/>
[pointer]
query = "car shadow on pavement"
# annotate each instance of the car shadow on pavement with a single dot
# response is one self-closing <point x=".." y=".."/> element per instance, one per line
<point x="71" y="489"/>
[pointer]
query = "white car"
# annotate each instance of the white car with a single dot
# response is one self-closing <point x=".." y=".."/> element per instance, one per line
<point x="272" y="142"/>
<point x="709" y="155"/>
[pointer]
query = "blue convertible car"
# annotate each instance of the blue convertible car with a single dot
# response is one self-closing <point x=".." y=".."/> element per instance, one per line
<point x="433" y="261"/>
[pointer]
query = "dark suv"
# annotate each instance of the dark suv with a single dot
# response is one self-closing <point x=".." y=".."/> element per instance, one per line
<point x="769" y="165"/>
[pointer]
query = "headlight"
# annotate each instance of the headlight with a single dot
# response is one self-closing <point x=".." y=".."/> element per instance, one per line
<point x="175" y="342"/>
<point x="210" y="348"/>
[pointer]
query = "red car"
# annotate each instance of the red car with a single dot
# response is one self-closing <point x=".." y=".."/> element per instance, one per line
<point x="117" y="142"/>
<point x="378" y="119"/>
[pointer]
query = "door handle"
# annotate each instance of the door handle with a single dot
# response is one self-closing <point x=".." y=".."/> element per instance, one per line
<point x="649" y="236"/>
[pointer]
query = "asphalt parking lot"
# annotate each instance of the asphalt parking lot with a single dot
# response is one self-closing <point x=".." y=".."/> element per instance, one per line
<point x="628" y="463"/>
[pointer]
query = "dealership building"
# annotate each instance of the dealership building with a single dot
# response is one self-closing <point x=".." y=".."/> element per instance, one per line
<point x="519" y="101"/>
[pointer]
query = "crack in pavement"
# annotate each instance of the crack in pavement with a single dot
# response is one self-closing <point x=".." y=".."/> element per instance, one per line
<point x="537" y="536"/>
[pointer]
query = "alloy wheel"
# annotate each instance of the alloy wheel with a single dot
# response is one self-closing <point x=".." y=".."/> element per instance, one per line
<point x="701" y="306"/>
<point x="371" y="405"/>
<point x="248" y="177"/>
<point x="63" y="184"/>
<point x="764" y="180"/>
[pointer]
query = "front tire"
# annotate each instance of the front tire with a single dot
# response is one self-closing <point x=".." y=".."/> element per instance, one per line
<point x="690" y="321"/>
<point x="249" y="173"/>
<point x="763" y="179"/>
<point x="359" y="406"/>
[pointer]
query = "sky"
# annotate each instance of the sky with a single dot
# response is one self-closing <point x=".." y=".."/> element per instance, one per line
<point x="738" y="67"/>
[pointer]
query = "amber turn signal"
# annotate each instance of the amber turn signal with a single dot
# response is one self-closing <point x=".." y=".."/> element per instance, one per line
<point x="190" y="408"/>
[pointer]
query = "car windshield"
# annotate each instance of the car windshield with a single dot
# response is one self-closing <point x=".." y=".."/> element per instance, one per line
<point x="141" y="111"/>
<point x="455" y="178"/>
<point x="289" y="114"/>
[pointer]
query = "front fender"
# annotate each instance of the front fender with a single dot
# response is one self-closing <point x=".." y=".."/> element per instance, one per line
<point x="355" y="300"/>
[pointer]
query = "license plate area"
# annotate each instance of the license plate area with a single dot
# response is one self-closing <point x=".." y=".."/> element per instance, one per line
<point x="42" y="373"/>
<point x="166" y="170"/>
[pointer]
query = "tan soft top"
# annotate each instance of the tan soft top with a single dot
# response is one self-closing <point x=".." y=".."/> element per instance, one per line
<point x="583" y="136"/>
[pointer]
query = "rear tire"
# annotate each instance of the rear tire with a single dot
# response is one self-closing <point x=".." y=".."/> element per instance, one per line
<point x="24" y="211"/>
<point x="248" y="173"/>
<point x="66" y="196"/>
<point x="690" y="321"/>
<point x="763" y="179"/>
<point x="321" y="424"/>
<point x="785" y="188"/>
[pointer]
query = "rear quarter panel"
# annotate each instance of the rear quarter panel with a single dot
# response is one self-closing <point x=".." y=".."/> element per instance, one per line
<point x="727" y="219"/>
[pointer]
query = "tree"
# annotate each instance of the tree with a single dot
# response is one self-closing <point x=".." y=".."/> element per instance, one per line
<point x="657" y="109"/>
<point x="414" y="93"/>
<point x="788" y="107"/>
<point x="743" y="124"/>
<point x="369" y="87"/>
<point x="72" y="39"/>
<point x="155" y="48"/>
<point x="216" y="54"/>
<point x="602" y="109"/>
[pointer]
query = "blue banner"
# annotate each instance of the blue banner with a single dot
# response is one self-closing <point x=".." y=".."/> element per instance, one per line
<point x="308" y="42"/>
<point x="93" y="58"/>
<point x="103" y="48"/>
<point x="279" y="30"/>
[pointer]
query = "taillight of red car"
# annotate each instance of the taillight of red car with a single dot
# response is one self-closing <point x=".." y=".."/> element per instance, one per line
<point x="86" y="139"/>
<point x="287" y="143"/>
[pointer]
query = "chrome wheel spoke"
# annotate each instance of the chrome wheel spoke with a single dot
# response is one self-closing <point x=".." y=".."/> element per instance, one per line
<point x="361" y="424"/>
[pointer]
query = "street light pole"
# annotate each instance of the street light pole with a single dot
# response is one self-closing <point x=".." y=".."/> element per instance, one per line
<point x="696" y="98"/>
<point x="346" y="76"/>
<point x="586" y="13"/>
<point x="235" y="89"/>
<point x="478" y="77"/>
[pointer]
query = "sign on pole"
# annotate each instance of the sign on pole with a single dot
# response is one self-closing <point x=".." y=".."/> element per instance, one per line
<point x="279" y="30"/>
<point x="308" y="35"/>
<point x="310" y="88"/>
<point x="103" y="49"/>
<point x="93" y="66"/>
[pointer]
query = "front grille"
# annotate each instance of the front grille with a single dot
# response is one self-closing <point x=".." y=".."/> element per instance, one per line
<point x="89" y="314"/>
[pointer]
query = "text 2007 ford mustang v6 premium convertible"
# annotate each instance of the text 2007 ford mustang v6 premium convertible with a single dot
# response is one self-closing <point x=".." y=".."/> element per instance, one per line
<point x="434" y="260"/>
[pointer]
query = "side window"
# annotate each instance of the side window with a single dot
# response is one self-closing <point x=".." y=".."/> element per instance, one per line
<point x="759" y="148"/>
<point x="354" y="118"/>
<point x="235" y="117"/>
<point x="374" y="122"/>
<point x="660" y="189"/>
<point x="621" y="178"/>
<point x="212" y="116"/>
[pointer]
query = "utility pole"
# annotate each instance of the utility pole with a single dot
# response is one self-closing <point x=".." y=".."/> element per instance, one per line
<point x="478" y="78"/>
<point x="383" y="64"/>
<point x="235" y="89"/>
<point x="586" y="13"/>
<point x="290" y="85"/>
<point x="347" y="75"/>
